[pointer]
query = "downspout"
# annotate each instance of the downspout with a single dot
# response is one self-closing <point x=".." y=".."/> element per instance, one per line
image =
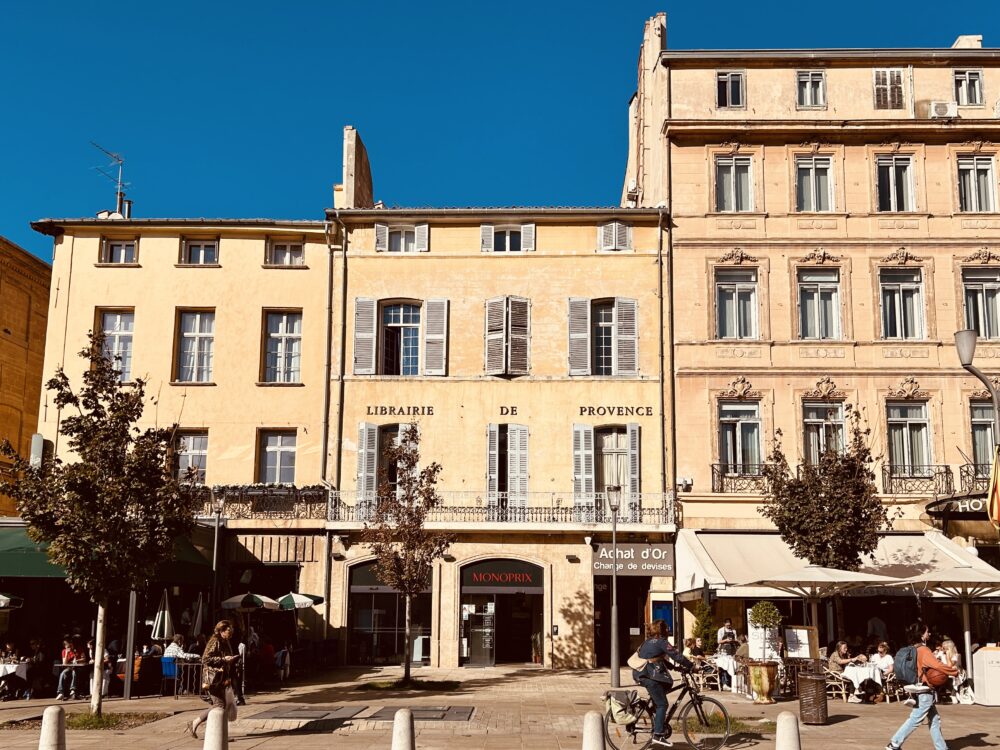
<point x="69" y="287"/>
<point x="325" y="440"/>
<point x="672" y="371"/>
<point x="663" y="415"/>
<point x="338" y="443"/>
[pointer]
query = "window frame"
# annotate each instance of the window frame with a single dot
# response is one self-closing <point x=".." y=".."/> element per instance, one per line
<point x="819" y="286"/>
<point x="728" y="75"/>
<point x="262" y="450"/>
<point x="505" y="230"/>
<point x="812" y="162"/>
<point x="273" y="242"/>
<point x="808" y="76"/>
<point x="732" y="161"/>
<point x="920" y="287"/>
<point x="972" y="162"/>
<point x="738" y="286"/>
<point x="961" y="78"/>
<point x="99" y="325"/>
<point x="981" y="285"/>
<point x="607" y="327"/>
<point x="893" y="160"/>
<point x="181" y="435"/>
<point x="381" y="337"/>
<point x="925" y="420"/>
<point x="888" y="84"/>
<point x="981" y="422"/>
<point x="185" y="252"/>
<point x="179" y="334"/>
<point x="104" y="253"/>
<point x="823" y="424"/>
<point x="738" y="434"/>
<point x="283" y="338"/>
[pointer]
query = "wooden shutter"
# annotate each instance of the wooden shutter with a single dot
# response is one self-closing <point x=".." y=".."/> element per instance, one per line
<point x="881" y="89"/>
<point x="421" y="238"/>
<point x="579" y="336"/>
<point x="436" y="337"/>
<point x="895" y="89"/>
<point x="583" y="464"/>
<point x="381" y="238"/>
<point x="626" y="337"/>
<point x="367" y="461"/>
<point x="517" y="465"/>
<point x="492" y="462"/>
<point x="633" y="462"/>
<point x="496" y="335"/>
<point x="623" y="236"/>
<point x="528" y="238"/>
<point x="365" y="328"/>
<point x="486" y="238"/>
<point x="519" y="336"/>
<point x="606" y="236"/>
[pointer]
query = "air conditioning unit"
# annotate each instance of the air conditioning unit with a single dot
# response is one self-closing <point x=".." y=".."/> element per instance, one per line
<point x="942" y="110"/>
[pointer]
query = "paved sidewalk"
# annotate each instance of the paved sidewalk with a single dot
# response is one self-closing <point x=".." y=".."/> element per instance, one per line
<point x="513" y="709"/>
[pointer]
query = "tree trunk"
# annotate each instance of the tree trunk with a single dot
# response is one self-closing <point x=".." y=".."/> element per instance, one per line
<point x="97" y="685"/>
<point x="407" y="656"/>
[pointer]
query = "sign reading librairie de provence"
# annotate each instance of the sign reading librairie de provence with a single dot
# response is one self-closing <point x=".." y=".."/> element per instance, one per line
<point x="634" y="559"/>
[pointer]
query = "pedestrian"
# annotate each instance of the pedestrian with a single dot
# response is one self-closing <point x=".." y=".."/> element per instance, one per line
<point x="217" y="673"/>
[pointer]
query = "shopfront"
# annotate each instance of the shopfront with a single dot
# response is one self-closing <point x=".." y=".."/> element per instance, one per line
<point x="377" y="621"/>
<point x="502" y="613"/>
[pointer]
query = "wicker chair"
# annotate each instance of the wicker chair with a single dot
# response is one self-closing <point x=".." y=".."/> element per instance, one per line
<point x="836" y="685"/>
<point x="893" y="688"/>
<point x="709" y="680"/>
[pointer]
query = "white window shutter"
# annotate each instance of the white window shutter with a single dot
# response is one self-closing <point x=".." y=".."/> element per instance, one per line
<point x="626" y="337"/>
<point x="583" y="464"/>
<point x="517" y="465"/>
<point x="579" y="336"/>
<point x="367" y="462"/>
<point x="519" y="336"/>
<point x="421" y="238"/>
<point x="365" y="325"/>
<point x="436" y="337"/>
<point x="496" y="336"/>
<point x="486" y="238"/>
<point x="528" y="238"/>
<point x="381" y="238"/>
<point x="633" y="462"/>
<point x="492" y="463"/>
<point x="623" y="236"/>
<point x="606" y="236"/>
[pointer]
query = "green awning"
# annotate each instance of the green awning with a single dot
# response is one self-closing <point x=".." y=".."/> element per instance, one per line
<point x="20" y="557"/>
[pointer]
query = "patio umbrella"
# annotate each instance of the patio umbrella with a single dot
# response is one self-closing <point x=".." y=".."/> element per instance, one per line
<point x="250" y="603"/>
<point x="8" y="601"/>
<point x="163" y="624"/>
<point x="197" y="621"/>
<point x="299" y="601"/>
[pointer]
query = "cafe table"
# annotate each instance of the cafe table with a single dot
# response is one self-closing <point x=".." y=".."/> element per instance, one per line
<point x="21" y="670"/>
<point x="858" y="673"/>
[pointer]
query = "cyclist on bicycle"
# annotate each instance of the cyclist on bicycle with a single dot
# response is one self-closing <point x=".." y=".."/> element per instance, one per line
<point x="660" y="657"/>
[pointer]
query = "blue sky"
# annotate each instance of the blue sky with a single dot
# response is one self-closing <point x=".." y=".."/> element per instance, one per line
<point x="237" y="109"/>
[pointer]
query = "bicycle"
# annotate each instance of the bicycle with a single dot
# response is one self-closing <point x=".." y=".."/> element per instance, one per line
<point x="704" y="721"/>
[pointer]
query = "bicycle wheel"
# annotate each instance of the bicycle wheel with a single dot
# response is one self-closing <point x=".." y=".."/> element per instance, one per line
<point x="705" y="723"/>
<point x="620" y="737"/>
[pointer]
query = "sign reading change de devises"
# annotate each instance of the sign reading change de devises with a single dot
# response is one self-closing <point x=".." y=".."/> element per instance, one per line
<point x="634" y="559"/>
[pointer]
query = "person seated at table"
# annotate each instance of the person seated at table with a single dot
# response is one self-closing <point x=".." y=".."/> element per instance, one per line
<point x="882" y="658"/>
<point x="698" y="650"/>
<point x="176" y="649"/>
<point x="688" y="645"/>
<point x="10" y="653"/>
<point x="151" y="648"/>
<point x="743" y="650"/>
<point x="841" y="658"/>
<point x="72" y="658"/>
<point x="38" y="670"/>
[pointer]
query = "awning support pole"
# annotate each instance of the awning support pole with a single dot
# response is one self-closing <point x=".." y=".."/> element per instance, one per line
<point x="968" y="638"/>
<point x="130" y="645"/>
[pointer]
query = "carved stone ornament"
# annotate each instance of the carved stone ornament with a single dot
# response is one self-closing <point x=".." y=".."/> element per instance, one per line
<point x="908" y="388"/>
<point x="821" y="256"/>
<point x="901" y="257"/>
<point x="825" y="389"/>
<point x="984" y="394"/>
<point x="895" y="146"/>
<point x="983" y="255"/>
<point x="814" y="146"/>
<point x="733" y="146"/>
<point x="740" y="388"/>
<point x="738" y="256"/>
<point x="978" y="146"/>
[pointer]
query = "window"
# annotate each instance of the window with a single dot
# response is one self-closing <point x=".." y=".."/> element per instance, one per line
<point x="902" y="303"/>
<point x="969" y="87"/>
<point x="401" y="239"/>
<point x="390" y="337"/>
<point x="117" y="326"/>
<point x="507" y="465"/>
<point x="823" y="429"/>
<point x="374" y="445"/>
<point x="400" y="340"/>
<point x="733" y="188"/>
<point x="976" y="184"/>
<point x="507" y="241"/>
<point x="603" y="337"/>
<point x="195" y="348"/>
<point x="811" y="89"/>
<point x="729" y="90"/>
<point x="909" y="445"/>
<point x="895" y="183"/>
<point x="200" y="252"/>
<point x="614" y="235"/>
<point x="511" y="239"/>
<point x="388" y="439"/>
<point x="284" y="347"/>
<point x="277" y="457"/>
<point x="819" y="303"/>
<point x="285" y="253"/>
<point x="508" y="335"/>
<point x="982" y="301"/>
<point x="889" y="89"/>
<point x="739" y="437"/>
<point x="191" y="456"/>
<point x="982" y="437"/>
<point x="119" y="252"/>
<point x="813" y="183"/>
<point x="605" y="457"/>
<point x="736" y="303"/>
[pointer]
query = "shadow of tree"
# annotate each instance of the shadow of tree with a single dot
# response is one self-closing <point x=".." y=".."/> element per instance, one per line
<point x="976" y="739"/>
<point x="575" y="649"/>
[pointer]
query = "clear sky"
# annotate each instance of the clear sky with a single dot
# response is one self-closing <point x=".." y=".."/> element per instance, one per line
<point x="236" y="109"/>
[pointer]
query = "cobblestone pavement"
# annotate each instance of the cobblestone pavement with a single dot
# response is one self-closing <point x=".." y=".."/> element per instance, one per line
<point x="514" y="709"/>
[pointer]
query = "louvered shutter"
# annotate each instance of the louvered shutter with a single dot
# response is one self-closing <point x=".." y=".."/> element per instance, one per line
<point x="436" y="337"/>
<point x="528" y="238"/>
<point x="626" y="337"/>
<point x="606" y="236"/>
<point x="365" y="324"/>
<point x="583" y="464"/>
<point x="367" y="462"/>
<point x="421" y="238"/>
<point x="579" y="336"/>
<point x="896" y="89"/>
<point x="492" y="463"/>
<point x="633" y="462"/>
<point x="881" y="89"/>
<point x="623" y="236"/>
<point x="517" y="465"/>
<point x="496" y="336"/>
<point x="486" y="238"/>
<point x="519" y="336"/>
<point x="381" y="238"/>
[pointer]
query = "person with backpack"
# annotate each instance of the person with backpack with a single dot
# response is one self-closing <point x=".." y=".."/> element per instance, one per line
<point x="651" y="669"/>
<point x="917" y="668"/>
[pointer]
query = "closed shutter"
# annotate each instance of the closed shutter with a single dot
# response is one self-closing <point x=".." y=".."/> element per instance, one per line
<point x="486" y="238"/>
<point x="367" y="462"/>
<point x="579" y="336"/>
<point x="436" y="337"/>
<point x="606" y="236"/>
<point x="623" y="236"/>
<point x="381" y="238"/>
<point x="519" y="334"/>
<point x="881" y="89"/>
<point x="421" y="238"/>
<point x="626" y="337"/>
<point x="583" y="464"/>
<point x="517" y="465"/>
<point x="365" y="322"/>
<point x="496" y="335"/>
<point x="633" y="462"/>
<point x="492" y="463"/>
<point x="896" y="89"/>
<point x="528" y="238"/>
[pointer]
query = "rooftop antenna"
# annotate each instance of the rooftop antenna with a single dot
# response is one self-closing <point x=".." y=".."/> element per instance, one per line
<point x="121" y="205"/>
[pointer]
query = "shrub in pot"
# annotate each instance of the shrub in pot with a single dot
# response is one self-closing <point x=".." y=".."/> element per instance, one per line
<point x="764" y="674"/>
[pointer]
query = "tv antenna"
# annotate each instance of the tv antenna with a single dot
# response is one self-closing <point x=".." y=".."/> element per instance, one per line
<point x="117" y="161"/>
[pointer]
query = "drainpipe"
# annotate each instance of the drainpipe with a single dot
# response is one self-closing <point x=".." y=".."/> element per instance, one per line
<point x="672" y="369"/>
<point x="69" y="288"/>
<point x="663" y="415"/>
<point x="338" y="443"/>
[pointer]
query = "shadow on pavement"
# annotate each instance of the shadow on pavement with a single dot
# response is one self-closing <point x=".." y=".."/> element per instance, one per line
<point x="977" y="739"/>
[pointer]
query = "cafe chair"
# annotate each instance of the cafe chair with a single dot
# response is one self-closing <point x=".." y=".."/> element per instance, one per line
<point x="168" y="667"/>
<point x="893" y="688"/>
<point x="836" y="685"/>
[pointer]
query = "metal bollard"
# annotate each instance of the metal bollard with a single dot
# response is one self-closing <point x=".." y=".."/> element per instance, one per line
<point x="402" y="730"/>
<point x="216" y="730"/>
<point x="787" y="735"/>
<point x="53" y="736"/>
<point x="593" y="731"/>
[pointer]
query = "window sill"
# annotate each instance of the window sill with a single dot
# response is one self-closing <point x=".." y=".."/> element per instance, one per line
<point x="810" y="108"/>
<point x="971" y="106"/>
<point x="197" y="265"/>
<point x="820" y="214"/>
<point x="732" y="214"/>
<point x="185" y="383"/>
<point x="117" y="265"/>
<point x="891" y="214"/>
<point x="284" y="267"/>
<point x="739" y="342"/>
<point x="267" y="384"/>
<point x="976" y="214"/>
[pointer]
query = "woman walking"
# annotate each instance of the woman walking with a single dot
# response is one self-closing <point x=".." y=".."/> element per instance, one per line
<point x="216" y="673"/>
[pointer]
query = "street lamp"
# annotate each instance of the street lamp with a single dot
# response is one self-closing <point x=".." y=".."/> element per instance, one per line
<point x="218" y="505"/>
<point x="614" y="493"/>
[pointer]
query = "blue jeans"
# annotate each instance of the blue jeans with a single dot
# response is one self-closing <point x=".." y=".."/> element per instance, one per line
<point x="67" y="675"/>
<point x="725" y="679"/>
<point x="925" y="707"/>
<point x="657" y="691"/>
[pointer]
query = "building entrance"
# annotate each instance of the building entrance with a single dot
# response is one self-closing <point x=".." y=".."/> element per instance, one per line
<point x="633" y="592"/>
<point x="502" y="613"/>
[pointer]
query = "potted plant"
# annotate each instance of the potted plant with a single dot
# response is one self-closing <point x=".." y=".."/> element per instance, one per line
<point x="763" y="673"/>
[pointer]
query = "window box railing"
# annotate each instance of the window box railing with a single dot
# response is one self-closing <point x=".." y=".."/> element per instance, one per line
<point x="974" y="477"/>
<point x="738" y="478"/>
<point x="901" y="479"/>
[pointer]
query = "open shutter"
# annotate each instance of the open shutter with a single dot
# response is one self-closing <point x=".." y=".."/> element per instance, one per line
<point x="517" y="465"/>
<point x="496" y="335"/>
<point x="519" y="334"/>
<point x="436" y="337"/>
<point x="626" y="337"/>
<point x="583" y="464"/>
<point x="381" y="238"/>
<point x="579" y="336"/>
<point x="492" y="463"/>
<point x="623" y="236"/>
<point x="486" y="238"/>
<point x="528" y="238"/>
<point x="633" y="462"/>
<point x="896" y="89"/>
<point x="881" y="89"/>
<point x="421" y="238"/>
<point x="606" y="236"/>
<point x="365" y="321"/>
<point x="367" y="462"/>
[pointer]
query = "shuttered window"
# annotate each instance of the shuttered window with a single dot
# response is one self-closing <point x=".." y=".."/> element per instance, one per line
<point x="507" y="239"/>
<point x="583" y="464"/>
<point x="603" y="337"/>
<point x="402" y="239"/>
<point x="507" y="465"/>
<point x="400" y="332"/>
<point x="436" y="337"/>
<point x="367" y="461"/>
<point x="614" y="236"/>
<point x="606" y="457"/>
<point x="508" y="336"/>
<point x="889" y="88"/>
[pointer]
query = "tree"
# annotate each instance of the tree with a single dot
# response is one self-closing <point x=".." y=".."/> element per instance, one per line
<point x="405" y="549"/>
<point x="110" y="517"/>
<point x="704" y="627"/>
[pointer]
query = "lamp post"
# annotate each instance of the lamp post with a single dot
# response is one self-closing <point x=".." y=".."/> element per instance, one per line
<point x="614" y="493"/>
<point x="218" y="504"/>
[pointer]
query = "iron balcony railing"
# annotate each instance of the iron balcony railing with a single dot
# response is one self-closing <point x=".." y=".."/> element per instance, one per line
<point x="974" y="477"/>
<point x="265" y="501"/>
<point x="738" y="478"/>
<point x="930" y="479"/>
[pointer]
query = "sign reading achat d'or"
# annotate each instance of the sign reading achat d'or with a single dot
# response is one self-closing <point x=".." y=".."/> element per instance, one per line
<point x="634" y="559"/>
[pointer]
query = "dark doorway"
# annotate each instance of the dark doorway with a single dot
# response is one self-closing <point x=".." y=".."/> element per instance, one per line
<point x="633" y="591"/>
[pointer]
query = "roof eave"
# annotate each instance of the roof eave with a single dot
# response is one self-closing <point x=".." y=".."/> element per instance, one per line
<point x="900" y="55"/>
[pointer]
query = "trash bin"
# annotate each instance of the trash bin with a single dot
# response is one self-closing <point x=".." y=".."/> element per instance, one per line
<point x="812" y="698"/>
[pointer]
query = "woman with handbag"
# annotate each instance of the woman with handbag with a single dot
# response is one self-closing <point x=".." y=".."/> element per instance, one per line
<point x="216" y="674"/>
<point x="651" y="669"/>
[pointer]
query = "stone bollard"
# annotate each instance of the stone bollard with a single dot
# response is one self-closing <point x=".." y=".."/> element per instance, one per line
<point x="402" y="730"/>
<point x="593" y="731"/>
<point x="53" y="736"/>
<point x="216" y="730"/>
<point x="787" y="735"/>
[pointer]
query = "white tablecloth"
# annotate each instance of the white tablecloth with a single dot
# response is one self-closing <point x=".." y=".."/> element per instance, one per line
<point x="20" y="669"/>
<point x="858" y="673"/>
<point x="726" y="663"/>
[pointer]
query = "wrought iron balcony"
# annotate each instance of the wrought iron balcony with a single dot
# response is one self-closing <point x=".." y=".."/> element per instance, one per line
<point x="974" y="477"/>
<point x="916" y="479"/>
<point x="738" y="478"/>
<point x="264" y="501"/>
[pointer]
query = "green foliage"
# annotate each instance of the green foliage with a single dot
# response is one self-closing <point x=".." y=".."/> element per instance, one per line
<point x="764" y="614"/>
<point x="705" y="627"/>
<point x="828" y="513"/>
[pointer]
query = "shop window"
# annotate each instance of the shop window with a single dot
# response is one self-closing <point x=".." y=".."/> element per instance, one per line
<point x="502" y="611"/>
<point x="507" y="466"/>
<point x="400" y="338"/>
<point x="603" y="337"/>
<point x="377" y="621"/>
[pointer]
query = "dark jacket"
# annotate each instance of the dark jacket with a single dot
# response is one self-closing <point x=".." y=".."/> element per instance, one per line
<point x="658" y="669"/>
<point x="216" y="672"/>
